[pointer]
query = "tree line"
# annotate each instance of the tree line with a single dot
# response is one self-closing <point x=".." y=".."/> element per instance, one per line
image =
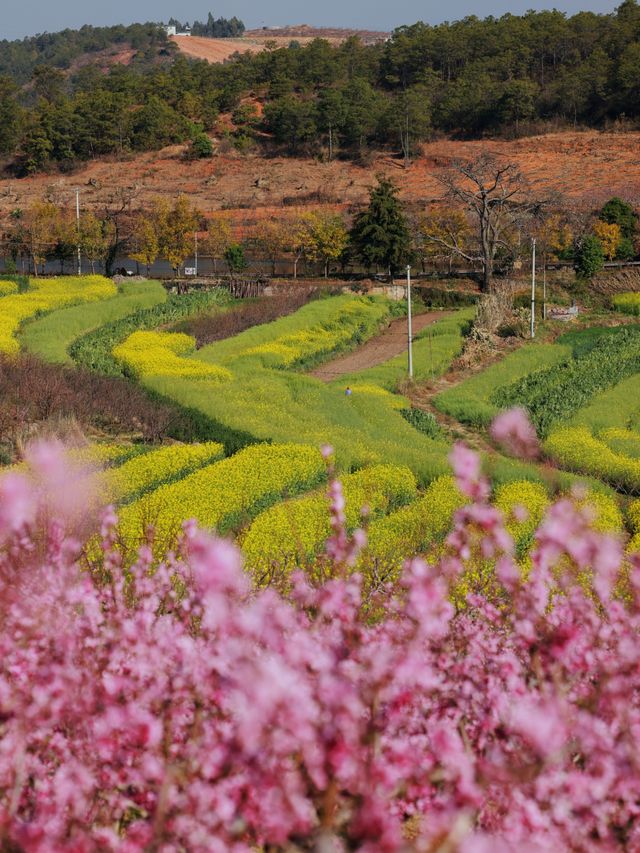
<point x="212" y="27"/>
<point x="468" y="78"/>
<point x="486" y="221"/>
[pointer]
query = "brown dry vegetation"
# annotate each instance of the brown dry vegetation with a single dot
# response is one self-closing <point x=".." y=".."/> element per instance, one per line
<point x="207" y="328"/>
<point x="586" y="168"/>
<point x="45" y="396"/>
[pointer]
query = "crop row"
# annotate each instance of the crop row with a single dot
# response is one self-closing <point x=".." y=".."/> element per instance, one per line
<point x="164" y="354"/>
<point x="556" y="393"/>
<point x="224" y="495"/>
<point x="51" y="336"/>
<point x="577" y="449"/>
<point x="45" y="296"/>
<point x="94" y="349"/>
<point x="472" y="402"/>
<point x="628" y="303"/>
<point x="150" y="470"/>
<point x="8" y="287"/>
<point x="290" y="535"/>
<point x="268" y="399"/>
<point x="300" y="341"/>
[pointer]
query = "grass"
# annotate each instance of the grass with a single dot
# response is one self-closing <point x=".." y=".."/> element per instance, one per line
<point x="434" y="348"/>
<point x="616" y="407"/>
<point x="51" y="336"/>
<point x="470" y="401"/>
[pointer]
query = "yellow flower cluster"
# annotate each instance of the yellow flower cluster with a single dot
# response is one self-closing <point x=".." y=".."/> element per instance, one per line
<point x="411" y="530"/>
<point x="348" y="321"/>
<point x="48" y="295"/>
<point x="606" y="514"/>
<point x="162" y="354"/>
<point x="146" y="472"/>
<point x="91" y="456"/>
<point x="518" y="499"/>
<point x="291" y="534"/>
<point x="8" y="287"/>
<point x="633" y="518"/>
<point x="578" y="450"/>
<point x="479" y="575"/>
<point x="224" y="495"/>
<point x="629" y="303"/>
<point x="102" y="454"/>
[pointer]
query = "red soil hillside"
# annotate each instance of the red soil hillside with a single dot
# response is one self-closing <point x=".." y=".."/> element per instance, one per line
<point x="219" y="50"/>
<point x="586" y="167"/>
<point x="214" y="50"/>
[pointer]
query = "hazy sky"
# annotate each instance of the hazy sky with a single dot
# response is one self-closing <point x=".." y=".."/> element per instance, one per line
<point x="28" y="17"/>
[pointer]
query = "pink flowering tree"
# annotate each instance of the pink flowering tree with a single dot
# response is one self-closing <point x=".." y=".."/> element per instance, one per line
<point x="182" y="710"/>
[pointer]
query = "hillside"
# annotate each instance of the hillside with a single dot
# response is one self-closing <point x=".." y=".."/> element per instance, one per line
<point x="585" y="167"/>
<point x="214" y="50"/>
<point x="255" y="41"/>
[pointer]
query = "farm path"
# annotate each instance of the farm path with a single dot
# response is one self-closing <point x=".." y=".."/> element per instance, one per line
<point x="389" y="343"/>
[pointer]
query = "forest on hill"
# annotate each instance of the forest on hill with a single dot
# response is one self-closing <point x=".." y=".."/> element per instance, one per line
<point x="468" y="78"/>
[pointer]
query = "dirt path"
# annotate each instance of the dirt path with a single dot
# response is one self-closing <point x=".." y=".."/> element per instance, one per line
<point x="389" y="343"/>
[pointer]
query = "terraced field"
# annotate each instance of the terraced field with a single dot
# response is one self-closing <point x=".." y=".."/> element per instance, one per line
<point x="261" y="477"/>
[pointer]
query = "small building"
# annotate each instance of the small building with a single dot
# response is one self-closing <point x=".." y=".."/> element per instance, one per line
<point x="170" y="30"/>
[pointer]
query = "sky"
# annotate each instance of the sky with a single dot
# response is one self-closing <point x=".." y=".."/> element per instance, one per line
<point x="28" y="17"/>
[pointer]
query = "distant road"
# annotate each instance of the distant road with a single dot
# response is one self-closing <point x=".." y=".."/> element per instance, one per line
<point x="389" y="343"/>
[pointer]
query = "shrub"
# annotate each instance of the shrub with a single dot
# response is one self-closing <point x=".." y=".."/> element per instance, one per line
<point x="589" y="257"/>
<point x="424" y="422"/>
<point x="132" y="702"/>
<point x="201" y="147"/>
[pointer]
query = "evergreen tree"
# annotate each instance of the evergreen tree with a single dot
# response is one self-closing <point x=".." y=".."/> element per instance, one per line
<point x="589" y="257"/>
<point x="380" y="235"/>
<point x="618" y="212"/>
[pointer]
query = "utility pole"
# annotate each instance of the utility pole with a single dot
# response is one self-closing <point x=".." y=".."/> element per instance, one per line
<point x="544" y="285"/>
<point x="196" y="255"/>
<point x="533" y="290"/>
<point x="409" y="329"/>
<point x="78" y="229"/>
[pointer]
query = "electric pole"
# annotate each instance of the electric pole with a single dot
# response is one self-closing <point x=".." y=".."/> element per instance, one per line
<point x="78" y="229"/>
<point x="533" y="289"/>
<point x="409" y="329"/>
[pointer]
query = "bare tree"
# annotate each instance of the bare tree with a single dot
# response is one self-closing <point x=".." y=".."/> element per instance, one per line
<point x="495" y="196"/>
<point x="117" y="210"/>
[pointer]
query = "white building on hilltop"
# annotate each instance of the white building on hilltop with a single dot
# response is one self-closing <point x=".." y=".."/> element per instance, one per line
<point x="171" y="30"/>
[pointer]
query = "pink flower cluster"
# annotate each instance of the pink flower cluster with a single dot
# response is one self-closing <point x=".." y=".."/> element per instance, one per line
<point x="181" y="710"/>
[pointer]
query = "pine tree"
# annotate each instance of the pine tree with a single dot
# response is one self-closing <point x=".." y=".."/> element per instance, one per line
<point x="380" y="235"/>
